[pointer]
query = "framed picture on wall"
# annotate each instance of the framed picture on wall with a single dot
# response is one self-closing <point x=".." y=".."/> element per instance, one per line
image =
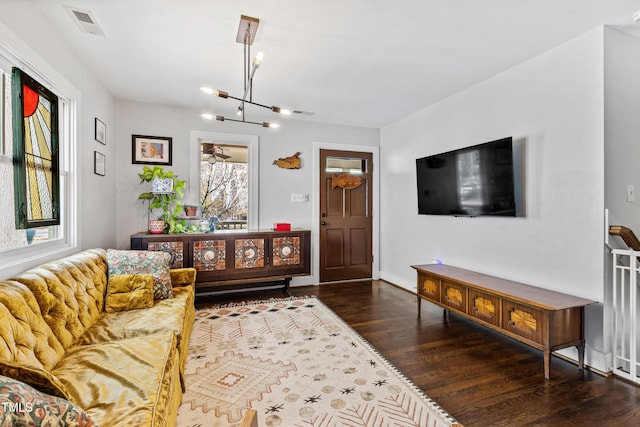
<point x="99" y="163"/>
<point x="100" y="131"/>
<point x="151" y="150"/>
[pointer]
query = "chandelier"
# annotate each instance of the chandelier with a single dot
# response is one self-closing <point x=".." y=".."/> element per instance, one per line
<point x="246" y="34"/>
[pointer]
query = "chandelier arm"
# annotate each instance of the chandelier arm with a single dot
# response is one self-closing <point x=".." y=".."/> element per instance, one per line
<point x="250" y="102"/>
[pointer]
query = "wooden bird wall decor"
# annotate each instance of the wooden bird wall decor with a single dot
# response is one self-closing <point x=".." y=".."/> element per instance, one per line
<point x="346" y="181"/>
<point x="291" y="162"/>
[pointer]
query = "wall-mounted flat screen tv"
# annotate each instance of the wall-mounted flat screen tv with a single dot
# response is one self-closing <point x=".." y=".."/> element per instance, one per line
<point x="471" y="181"/>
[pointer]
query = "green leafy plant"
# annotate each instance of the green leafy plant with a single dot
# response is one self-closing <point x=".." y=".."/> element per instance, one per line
<point x="168" y="203"/>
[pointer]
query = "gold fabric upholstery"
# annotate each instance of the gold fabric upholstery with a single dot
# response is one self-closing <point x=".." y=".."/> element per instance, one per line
<point x="183" y="277"/>
<point x="128" y="292"/>
<point x="123" y="368"/>
<point x="70" y="293"/>
<point x="28" y="347"/>
<point x="127" y="382"/>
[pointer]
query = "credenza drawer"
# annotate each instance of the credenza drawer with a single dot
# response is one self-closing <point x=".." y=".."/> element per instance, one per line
<point x="429" y="287"/>
<point x="523" y="320"/>
<point x="485" y="307"/>
<point x="454" y="295"/>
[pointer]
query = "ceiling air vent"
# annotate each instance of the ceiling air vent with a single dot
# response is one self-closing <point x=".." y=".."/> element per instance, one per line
<point x="85" y="20"/>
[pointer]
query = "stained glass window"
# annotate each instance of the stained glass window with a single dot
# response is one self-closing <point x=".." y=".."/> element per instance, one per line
<point x="35" y="152"/>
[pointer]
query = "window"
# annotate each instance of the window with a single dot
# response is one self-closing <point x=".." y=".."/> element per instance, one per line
<point x="35" y="154"/>
<point x="224" y="168"/>
<point x="224" y="184"/>
<point x="37" y="207"/>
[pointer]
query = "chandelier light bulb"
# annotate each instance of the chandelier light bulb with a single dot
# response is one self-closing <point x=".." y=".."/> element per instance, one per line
<point x="281" y="110"/>
<point x="258" y="59"/>
<point x="207" y="90"/>
<point x="207" y="116"/>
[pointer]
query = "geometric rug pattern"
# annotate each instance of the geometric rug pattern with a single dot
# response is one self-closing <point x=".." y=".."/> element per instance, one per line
<point x="297" y="364"/>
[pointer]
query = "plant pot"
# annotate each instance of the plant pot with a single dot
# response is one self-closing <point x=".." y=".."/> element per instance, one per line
<point x="190" y="210"/>
<point x="159" y="185"/>
<point x="156" y="226"/>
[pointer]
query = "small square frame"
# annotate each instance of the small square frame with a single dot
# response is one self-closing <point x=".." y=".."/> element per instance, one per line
<point x="100" y="131"/>
<point x="99" y="163"/>
<point x="151" y="150"/>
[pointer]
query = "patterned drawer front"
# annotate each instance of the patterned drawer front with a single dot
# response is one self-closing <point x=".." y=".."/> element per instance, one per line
<point x="175" y="249"/>
<point x="485" y="307"/>
<point x="249" y="253"/>
<point x="528" y="322"/>
<point x="429" y="287"/>
<point x="286" y="251"/>
<point x="454" y="295"/>
<point x="209" y="255"/>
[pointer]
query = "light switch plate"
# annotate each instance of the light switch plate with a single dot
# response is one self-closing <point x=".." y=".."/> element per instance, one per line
<point x="299" y="198"/>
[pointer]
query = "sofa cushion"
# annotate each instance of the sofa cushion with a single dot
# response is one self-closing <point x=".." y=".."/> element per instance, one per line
<point x="129" y="291"/>
<point x="143" y="262"/>
<point x="28" y="347"/>
<point x="127" y="382"/>
<point x="70" y="292"/>
<point x="22" y="405"/>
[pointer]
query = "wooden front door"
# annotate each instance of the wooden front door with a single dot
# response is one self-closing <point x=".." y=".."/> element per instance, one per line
<point x="345" y="215"/>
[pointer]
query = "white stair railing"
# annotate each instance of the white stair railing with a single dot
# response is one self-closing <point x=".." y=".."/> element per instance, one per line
<point x="626" y="274"/>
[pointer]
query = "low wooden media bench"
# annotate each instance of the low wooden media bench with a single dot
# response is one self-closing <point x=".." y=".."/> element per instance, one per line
<point x="541" y="318"/>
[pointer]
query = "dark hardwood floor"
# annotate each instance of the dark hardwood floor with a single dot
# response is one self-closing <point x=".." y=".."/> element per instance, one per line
<point x="480" y="377"/>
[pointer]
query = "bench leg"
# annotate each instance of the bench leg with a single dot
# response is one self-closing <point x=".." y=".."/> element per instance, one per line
<point x="547" y="364"/>
<point x="580" y="356"/>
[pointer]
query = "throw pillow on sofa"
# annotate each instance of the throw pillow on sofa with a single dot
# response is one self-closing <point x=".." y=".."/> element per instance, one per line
<point x="23" y="405"/>
<point x="128" y="292"/>
<point x="143" y="262"/>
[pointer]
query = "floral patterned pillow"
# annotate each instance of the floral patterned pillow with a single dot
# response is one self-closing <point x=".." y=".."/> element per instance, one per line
<point x="143" y="262"/>
<point x="23" y="405"/>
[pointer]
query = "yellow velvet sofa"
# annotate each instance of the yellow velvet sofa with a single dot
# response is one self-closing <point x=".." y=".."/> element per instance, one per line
<point x="121" y="367"/>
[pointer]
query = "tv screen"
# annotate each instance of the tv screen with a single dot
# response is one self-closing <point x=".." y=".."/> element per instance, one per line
<point x="472" y="181"/>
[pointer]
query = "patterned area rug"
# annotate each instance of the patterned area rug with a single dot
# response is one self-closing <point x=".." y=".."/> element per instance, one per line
<point x="297" y="364"/>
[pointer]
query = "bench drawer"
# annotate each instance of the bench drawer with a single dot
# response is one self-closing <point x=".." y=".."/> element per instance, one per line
<point x="485" y="307"/>
<point x="523" y="320"/>
<point x="429" y="287"/>
<point x="454" y="295"/>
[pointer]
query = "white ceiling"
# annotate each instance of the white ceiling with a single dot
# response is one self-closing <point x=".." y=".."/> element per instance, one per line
<point x="356" y="62"/>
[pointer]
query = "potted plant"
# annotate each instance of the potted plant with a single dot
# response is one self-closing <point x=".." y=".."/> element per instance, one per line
<point x="190" y="210"/>
<point x="167" y="201"/>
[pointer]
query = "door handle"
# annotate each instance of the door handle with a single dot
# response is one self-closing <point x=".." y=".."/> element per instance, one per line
<point x="323" y="223"/>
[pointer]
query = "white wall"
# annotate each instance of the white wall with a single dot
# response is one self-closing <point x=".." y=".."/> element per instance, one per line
<point x="30" y="35"/>
<point x="275" y="184"/>
<point x="554" y="104"/>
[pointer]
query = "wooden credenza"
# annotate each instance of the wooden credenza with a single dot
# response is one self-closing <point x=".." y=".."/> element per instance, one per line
<point x="541" y="318"/>
<point x="232" y="260"/>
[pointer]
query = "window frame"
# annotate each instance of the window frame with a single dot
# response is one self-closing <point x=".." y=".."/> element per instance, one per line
<point x="249" y="141"/>
<point x="20" y="79"/>
<point x="13" y="53"/>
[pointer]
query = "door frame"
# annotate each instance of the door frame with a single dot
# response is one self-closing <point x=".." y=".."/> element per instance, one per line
<point x="315" y="252"/>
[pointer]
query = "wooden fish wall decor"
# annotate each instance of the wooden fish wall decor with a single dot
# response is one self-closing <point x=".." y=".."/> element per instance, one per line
<point x="291" y="162"/>
<point x="346" y="181"/>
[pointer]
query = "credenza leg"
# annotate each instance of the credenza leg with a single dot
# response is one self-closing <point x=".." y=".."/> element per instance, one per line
<point x="419" y="306"/>
<point x="547" y="364"/>
<point x="445" y="316"/>
<point x="285" y="290"/>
